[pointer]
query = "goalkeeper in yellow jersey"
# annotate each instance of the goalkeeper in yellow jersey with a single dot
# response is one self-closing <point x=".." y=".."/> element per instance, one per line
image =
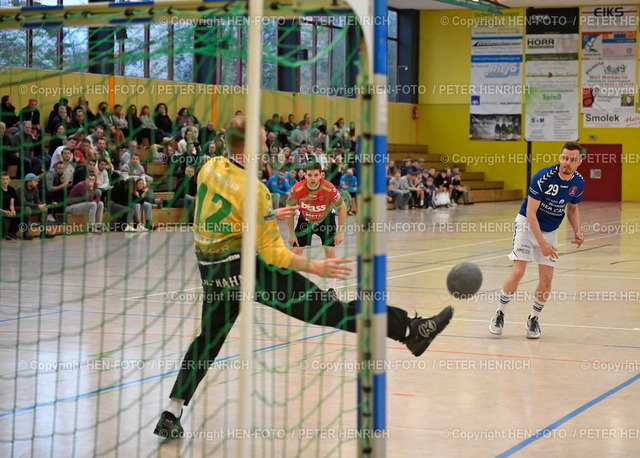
<point x="219" y="228"/>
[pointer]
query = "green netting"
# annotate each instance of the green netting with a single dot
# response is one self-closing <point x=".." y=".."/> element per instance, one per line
<point x="93" y="327"/>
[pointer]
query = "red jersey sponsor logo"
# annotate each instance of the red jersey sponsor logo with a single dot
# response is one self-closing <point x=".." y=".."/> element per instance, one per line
<point x="573" y="190"/>
<point x="313" y="206"/>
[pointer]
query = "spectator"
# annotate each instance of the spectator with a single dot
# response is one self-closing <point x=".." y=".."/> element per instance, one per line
<point x="401" y="183"/>
<point x="162" y="120"/>
<point x="8" y="114"/>
<point x="394" y="195"/>
<point x="321" y="158"/>
<point x="406" y="163"/>
<point x="265" y="172"/>
<point x="97" y="134"/>
<point x="142" y="198"/>
<point x="300" y="136"/>
<point x="319" y="134"/>
<point x="29" y="202"/>
<point x="83" y="105"/>
<point x="84" y="152"/>
<point x="134" y="169"/>
<point x="442" y="184"/>
<point x="339" y="135"/>
<point x="189" y="124"/>
<point x="417" y="189"/>
<point x="62" y="117"/>
<point x="78" y="122"/>
<point x="137" y="130"/>
<point x="51" y="125"/>
<point x="306" y="118"/>
<point x="23" y="144"/>
<point x="11" y="154"/>
<point x="188" y="148"/>
<point x="126" y="154"/>
<point x="430" y="193"/>
<point x="207" y="134"/>
<point x="102" y="176"/>
<point x="301" y="155"/>
<point x="119" y="202"/>
<point x="349" y="184"/>
<point x="334" y="169"/>
<point x="102" y="152"/>
<point x="155" y="136"/>
<point x="103" y="118"/>
<point x="279" y="188"/>
<point x="56" y="189"/>
<point x="85" y="198"/>
<point x="119" y="121"/>
<point x="57" y="154"/>
<point x="353" y="140"/>
<point x="180" y="119"/>
<point x="186" y="191"/>
<point x="8" y="198"/>
<point x="32" y="114"/>
<point x="273" y="124"/>
<point x="69" y="169"/>
<point x="190" y="114"/>
<point x="80" y="173"/>
<point x="457" y="190"/>
<point x="391" y="169"/>
<point x="58" y="139"/>
<point x="290" y="125"/>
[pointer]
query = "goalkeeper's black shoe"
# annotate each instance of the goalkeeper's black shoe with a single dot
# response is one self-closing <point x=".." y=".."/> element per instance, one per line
<point x="424" y="330"/>
<point x="168" y="426"/>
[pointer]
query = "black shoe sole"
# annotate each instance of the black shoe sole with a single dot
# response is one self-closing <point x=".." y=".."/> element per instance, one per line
<point x="441" y="321"/>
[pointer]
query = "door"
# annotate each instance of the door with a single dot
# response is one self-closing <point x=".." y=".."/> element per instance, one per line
<point x="602" y="172"/>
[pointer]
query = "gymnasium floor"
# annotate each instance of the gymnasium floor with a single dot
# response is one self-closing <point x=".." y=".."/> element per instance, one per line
<point x="89" y="347"/>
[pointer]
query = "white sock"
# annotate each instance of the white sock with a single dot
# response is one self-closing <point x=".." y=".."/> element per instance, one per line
<point x="537" y="307"/>
<point x="408" y="332"/>
<point x="504" y="300"/>
<point x="175" y="407"/>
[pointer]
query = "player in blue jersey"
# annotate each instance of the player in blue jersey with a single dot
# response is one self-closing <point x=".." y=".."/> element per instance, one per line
<point x="553" y="191"/>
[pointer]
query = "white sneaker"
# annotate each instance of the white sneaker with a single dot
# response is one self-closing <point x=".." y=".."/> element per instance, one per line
<point x="51" y="218"/>
<point x="129" y="228"/>
<point x="141" y="228"/>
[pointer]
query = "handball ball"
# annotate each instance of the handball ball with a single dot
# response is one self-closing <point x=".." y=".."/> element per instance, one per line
<point x="464" y="280"/>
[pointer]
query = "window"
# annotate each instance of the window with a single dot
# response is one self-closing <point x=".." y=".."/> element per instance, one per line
<point x="183" y="56"/>
<point x="75" y="48"/>
<point x="45" y="48"/>
<point x="16" y="54"/>
<point x="158" y="53"/>
<point x="392" y="54"/>
<point x="269" y="56"/>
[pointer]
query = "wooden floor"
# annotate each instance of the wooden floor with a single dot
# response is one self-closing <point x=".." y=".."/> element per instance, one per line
<point x="93" y="328"/>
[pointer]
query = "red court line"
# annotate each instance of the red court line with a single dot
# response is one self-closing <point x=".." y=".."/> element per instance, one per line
<point x="401" y="394"/>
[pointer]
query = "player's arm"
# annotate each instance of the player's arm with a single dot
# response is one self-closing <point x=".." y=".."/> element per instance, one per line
<point x="291" y="201"/>
<point x="573" y="215"/>
<point x="331" y="268"/>
<point x="342" y="221"/>
<point x="546" y="248"/>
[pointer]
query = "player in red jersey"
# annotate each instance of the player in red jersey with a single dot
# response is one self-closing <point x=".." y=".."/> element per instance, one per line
<point x="316" y="197"/>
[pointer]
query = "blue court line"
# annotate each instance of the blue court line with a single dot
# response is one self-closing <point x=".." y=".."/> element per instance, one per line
<point x="32" y="316"/>
<point x="120" y="385"/>
<point x="566" y="418"/>
<point x="620" y="346"/>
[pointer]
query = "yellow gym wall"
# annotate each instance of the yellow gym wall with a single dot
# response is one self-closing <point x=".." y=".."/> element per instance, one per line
<point x="445" y="74"/>
<point x="209" y="102"/>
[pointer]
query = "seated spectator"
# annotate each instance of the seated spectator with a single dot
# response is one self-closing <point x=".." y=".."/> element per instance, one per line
<point x="349" y="184"/>
<point x="11" y="154"/>
<point x="417" y="189"/>
<point x="30" y="204"/>
<point x="265" y="171"/>
<point x="62" y="118"/>
<point x="319" y="137"/>
<point x="180" y="119"/>
<point x="406" y="163"/>
<point x="85" y="198"/>
<point x="273" y="124"/>
<point x="207" y="134"/>
<point x="134" y="169"/>
<point x="186" y="191"/>
<point x="58" y="139"/>
<point x="51" y="124"/>
<point x="457" y="190"/>
<point x="126" y="154"/>
<point x="78" y="122"/>
<point x="119" y="121"/>
<point x="57" y="154"/>
<point x="321" y="158"/>
<point x="97" y="134"/>
<point x="8" y="114"/>
<point x="69" y="169"/>
<point x="149" y="125"/>
<point x="56" y="189"/>
<point x="189" y="124"/>
<point x="32" y="114"/>
<point x="301" y="154"/>
<point x="24" y="144"/>
<point x="120" y="202"/>
<point x="442" y="184"/>
<point x="8" y="199"/>
<point x="339" y="135"/>
<point x="136" y="130"/>
<point x="103" y="153"/>
<point x="391" y="169"/>
<point x="84" y="152"/>
<point x="142" y="199"/>
<point x="300" y="136"/>
<point x="83" y="105"/>
<point x="395" y="196"/>
<point x="335" y="168"/>
<point x="80" y="173"/>
<point x="353" y="140"/>
<point x="401" y="183"/>
<point x="430" y="192"/>
<point x="189" y="147"/>
<point x="162" y="120"/>
<point x="279" y="188"/>
<point x="290" y="125"/>
<point x="102" y="176"/>
<point x="291" y="177"/>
